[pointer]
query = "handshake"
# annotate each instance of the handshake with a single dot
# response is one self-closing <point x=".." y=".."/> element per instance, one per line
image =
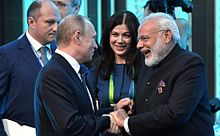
<point x="121" y="111"/>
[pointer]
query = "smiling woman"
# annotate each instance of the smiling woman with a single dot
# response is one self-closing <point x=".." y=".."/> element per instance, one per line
<point x="113" y="76"/>
<point x="120" y="40"/>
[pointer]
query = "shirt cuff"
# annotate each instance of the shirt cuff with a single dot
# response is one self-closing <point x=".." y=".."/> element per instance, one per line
<point x="105" y="114"/>
<point x="126" y="125"/>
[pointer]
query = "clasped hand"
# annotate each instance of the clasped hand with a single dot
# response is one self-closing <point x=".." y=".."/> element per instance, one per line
<point x="119" y="115"/>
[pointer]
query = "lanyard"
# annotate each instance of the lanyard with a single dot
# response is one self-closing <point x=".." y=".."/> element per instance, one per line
<point x="111" y="90"/>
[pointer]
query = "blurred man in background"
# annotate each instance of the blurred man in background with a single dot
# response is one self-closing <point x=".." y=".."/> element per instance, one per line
<point x="68" y="7"/>
<point x="185" y="33"/>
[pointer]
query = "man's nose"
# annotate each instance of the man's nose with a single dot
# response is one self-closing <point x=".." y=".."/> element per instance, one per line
<point x="54" y="27"/>
<point x="95" y="45"/>
<point x="139" y="44"/>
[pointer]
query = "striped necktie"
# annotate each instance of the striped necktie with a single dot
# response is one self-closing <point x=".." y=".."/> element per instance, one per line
<point x="43" y="50"/>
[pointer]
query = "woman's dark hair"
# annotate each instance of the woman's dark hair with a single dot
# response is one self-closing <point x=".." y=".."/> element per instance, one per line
<point x="107" y="59"/>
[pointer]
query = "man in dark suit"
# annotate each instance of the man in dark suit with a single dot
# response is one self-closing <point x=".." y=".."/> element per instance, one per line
<point x="20" y="61"/>
<point x="63" y="103"/>
<point x="172" y="96"/>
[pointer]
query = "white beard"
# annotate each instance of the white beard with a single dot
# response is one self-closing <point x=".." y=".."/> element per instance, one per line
<point x="158" y="53"/>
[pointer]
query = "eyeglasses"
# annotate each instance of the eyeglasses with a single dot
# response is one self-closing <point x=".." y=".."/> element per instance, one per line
<point x="145" y="38"/>
<point x="61" y="4"/>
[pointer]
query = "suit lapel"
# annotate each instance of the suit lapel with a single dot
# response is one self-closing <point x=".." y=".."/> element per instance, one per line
<point x="74" y="76"/>
<point x="27" y="53"/>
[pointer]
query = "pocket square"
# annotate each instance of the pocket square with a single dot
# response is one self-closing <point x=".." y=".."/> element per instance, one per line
<point x="160" y="87"/>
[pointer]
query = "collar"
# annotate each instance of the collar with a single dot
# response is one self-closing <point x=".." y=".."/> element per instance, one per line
<point x="73" y="62"/>
<point x="35" y="44"/>
<point x="172" y="54"/>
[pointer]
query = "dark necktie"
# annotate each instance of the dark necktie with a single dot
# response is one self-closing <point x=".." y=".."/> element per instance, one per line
<point x="83" y="72"/>
<point x="43" y="50"/>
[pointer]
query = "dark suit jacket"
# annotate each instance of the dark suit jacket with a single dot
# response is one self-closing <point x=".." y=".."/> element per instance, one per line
<point x="19" y="67"/>
<point x="172" y="98"/>
<point x="62" y="105"/>
<point x="18" y="71"/>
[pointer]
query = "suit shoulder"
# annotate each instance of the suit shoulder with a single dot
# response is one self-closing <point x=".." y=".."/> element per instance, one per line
<point x="13" y="44"/>
<point x="191" y="57"/>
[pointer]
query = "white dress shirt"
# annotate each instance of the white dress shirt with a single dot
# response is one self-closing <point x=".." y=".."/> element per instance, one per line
<point x="126" y="125"/>
<point x="36" y="46"/>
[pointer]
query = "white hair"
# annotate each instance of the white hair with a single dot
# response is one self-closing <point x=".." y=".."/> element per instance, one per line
<point x="166" y="22"/>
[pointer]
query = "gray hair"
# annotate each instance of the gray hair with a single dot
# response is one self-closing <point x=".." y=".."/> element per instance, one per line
<point x="166" y="22"/>
<point x="69" y="25"/>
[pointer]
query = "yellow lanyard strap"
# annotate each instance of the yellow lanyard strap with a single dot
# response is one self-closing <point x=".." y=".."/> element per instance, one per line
<point x="111" y="90"/>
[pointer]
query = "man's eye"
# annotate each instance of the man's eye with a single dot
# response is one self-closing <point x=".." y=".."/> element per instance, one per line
<point x="61" y="4"/>
<point x="143" y="38"/>
<point x="50" y="22"/>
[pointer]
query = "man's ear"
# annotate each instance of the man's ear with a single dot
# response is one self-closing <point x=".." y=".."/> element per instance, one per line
<point x="30" y="22"/>
<point x="77" y="37"/>
<point x="168" y="36"/>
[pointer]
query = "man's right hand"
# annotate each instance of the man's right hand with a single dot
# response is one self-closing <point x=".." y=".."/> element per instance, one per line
<point x="119" y="117"/>
<point x="126" y="103"/>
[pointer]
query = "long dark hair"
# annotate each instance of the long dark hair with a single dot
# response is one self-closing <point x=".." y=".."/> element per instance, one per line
<point x="133" y="56"/>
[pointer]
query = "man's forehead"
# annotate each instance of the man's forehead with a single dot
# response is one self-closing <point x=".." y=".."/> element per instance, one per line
<point x="148" y="25"/>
